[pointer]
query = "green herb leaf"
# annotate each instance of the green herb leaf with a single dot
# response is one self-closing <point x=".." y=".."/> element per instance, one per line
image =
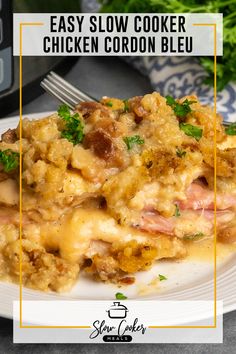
<point x="191" y="130"/>
<point x="192" y="237"/>
<point x="9" y="159"/>
<point x="170" y="101"/>
<point x="109" y="104"/>
<point x="74" y="131"/>
<point x="231" y="129"/>
<point x="180" y="109"/>
<point x="180" y="153"/>
<point x="177" y="211"/>
<point x="126" y="105"/>
<point x="120" y="296"/>
<point x="162" y="277"/>
<point x="64" y="112"/>
<point x="132" y="140"/>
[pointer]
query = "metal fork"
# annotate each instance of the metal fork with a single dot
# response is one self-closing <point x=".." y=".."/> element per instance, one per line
<point x="56" y="86"/>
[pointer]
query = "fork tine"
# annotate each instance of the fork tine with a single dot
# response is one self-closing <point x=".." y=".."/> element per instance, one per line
<point x="225" y="123"/>
<point x="54" y="92"/>
<point x="64" y="90"/>
<point x="67" y="86"/>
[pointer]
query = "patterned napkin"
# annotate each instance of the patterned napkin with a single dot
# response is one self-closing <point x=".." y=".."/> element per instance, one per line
<point x="179" y="76"/>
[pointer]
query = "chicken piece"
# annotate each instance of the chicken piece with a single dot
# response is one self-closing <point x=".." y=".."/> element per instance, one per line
<point x="9" y="192"/>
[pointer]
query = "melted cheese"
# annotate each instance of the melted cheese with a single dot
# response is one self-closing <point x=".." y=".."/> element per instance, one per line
<point x="77" y="231"/>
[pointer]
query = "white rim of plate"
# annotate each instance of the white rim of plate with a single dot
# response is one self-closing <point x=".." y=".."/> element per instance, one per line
<point x="226" y="279"/>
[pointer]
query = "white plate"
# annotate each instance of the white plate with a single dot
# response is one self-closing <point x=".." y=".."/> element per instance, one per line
<point x="187" y="279"/>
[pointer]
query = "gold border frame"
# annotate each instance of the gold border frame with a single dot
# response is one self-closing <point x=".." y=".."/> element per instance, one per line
<point x="22" y="24"/>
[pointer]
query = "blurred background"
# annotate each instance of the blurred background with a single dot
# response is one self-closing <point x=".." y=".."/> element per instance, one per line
<point x="121" y="77"/>
<point x="96" y="75"/>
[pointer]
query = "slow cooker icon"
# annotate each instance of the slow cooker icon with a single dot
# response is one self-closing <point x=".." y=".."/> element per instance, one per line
<point x="117" y="310"/>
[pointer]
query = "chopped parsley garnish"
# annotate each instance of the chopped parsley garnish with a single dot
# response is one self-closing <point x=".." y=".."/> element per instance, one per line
<point x="180" y="153"/>
<point x="120" y="296"/>
<point x="177" y="211"/>
<point x="132" y="140"/>
<point x="231" y="129"/>
<point x="126" y="105"/>
<point x="180" y="109"/>
<point x="170" y="101"/>
<point x="74" y="129"/>
<point x="109" y="104"/>
<point x="9" y="159"/>
<point x="162" y="277"/>
<point x="192" y="237"/>
<point x="64" y="112"/>
<point x="191" y="130"/>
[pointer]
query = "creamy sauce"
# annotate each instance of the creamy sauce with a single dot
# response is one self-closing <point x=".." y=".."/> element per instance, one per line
<point x="73" y="236"/>
<point x="203" y="251"/>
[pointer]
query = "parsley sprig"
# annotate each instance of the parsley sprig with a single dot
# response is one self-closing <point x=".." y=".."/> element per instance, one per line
<point x="9" y="159"/>
<point x="180" y="109"/>
<point x="193" y="237"/>
<point x="191" y="130"/>
<point x="74" y="129"/>
<point x="177" y="211"/>
<point x="162" y="277"/>
<point x="231" y="129"/>
<point x="120" y="296"/>
<point x="132" y="140"/>
<point x="126" y="105"/>
<point x="180" y="152"/>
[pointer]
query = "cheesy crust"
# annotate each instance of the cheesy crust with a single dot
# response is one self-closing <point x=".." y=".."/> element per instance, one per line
<point x="133" y="191"/>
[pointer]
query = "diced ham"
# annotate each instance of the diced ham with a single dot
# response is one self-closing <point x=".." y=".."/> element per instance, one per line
<point x="194" y="220"/>
<point x="199" y="197"/>
<point x="154" y="222"/>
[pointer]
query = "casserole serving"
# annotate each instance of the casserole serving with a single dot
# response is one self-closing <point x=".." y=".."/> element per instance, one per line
<point x="113" y="187"/>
